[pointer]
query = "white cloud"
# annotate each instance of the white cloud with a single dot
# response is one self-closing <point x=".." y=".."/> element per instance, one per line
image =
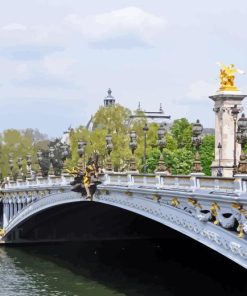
<point x="14" y="27"/>
<point x="48" y="33"/>
<point x="130" y="21"/>
<point x="58" y="65"/>
<point x="22" y="70"/>
<point x="200" y="90"/>
<point x="123" y="28"/>
<point x="20" y="34"/>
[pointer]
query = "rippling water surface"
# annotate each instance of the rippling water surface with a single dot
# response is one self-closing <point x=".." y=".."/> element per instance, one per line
<point x="133" y="268"/>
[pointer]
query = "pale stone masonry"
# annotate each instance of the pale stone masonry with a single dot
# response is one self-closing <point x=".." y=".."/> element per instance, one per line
<point x="224" y="130"/>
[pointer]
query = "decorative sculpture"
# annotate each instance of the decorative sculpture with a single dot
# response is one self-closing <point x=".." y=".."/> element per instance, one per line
<point x="227" y="77"/>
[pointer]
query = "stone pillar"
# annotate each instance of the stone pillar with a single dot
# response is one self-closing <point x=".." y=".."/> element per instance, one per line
<point x="15" y="208"/>
<point x="5" y="214"/>
<point x="11" y="211"/>
<point x="18" y="206"/>
<point x="224" y="131"/>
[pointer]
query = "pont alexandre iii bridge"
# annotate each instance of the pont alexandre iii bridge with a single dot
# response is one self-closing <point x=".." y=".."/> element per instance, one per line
<point x="210" y="210"/>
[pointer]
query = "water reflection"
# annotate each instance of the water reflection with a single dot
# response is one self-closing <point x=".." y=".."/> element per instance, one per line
<point x="133" y="268"/>
<point x="22" y="274"/>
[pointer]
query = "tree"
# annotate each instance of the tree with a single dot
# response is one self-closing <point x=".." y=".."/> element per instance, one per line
<point x="19" y="143"/>
<point x="179" y="161"/>
<point x="181" y="130"/>
<point x="207" y="153"/>
<point x="113" y="120"/>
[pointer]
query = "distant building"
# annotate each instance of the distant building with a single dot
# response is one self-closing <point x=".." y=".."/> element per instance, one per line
<point x="151" y="116"/>
<point x="109" y="100"/>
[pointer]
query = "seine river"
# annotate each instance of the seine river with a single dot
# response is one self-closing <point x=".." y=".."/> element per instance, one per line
<point x="149" y="268"/>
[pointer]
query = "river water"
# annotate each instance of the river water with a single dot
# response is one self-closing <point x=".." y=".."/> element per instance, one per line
<point x="133" y="268"/>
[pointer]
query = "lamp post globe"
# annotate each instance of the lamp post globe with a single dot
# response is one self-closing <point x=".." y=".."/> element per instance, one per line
<point x="235" y="111"/>
<point x="219" y="172"/>
<point x="29" y="162"/>
<point x="109" y="148"/>
<point x="145" y="130"/>
<point x="81" y="150"/>
<point x="241" y="138"/>
<point x="133" y="146"/>
<point x="242" y="122"/>
<point x="65" y="154"/>
<point x="11" y="166"/>
<point x="161" y="142"/>
<point x="197" y="129"/>
<point x="51" y="157"/>
<point x="39" y="158"/>
<point x="19" y="163"/>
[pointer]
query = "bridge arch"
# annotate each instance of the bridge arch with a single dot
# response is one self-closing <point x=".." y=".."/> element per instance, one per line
<point x="115" y="222"/>
<point x="152" y="206"/>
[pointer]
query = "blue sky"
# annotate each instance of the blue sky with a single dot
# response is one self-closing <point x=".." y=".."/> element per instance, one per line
<point x="59" y="57"/>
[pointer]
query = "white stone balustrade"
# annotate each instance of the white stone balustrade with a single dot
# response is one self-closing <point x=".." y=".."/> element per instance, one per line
<point x="192" y="182"/>
<point x="39" y="182"/>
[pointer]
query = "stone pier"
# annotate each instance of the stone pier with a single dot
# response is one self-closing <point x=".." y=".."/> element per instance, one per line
<point x="225" y="131"/>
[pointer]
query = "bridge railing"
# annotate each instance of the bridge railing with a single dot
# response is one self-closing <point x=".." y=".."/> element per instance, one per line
<point x="38" y="182"/>
<point x="183" y="182"/>
<point x="160" y="181"/>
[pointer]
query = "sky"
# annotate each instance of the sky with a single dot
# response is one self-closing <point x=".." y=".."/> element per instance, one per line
<point x="59" y="57"/>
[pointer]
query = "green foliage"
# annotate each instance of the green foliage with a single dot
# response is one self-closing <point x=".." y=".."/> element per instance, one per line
<point x="115" y="120"/>
<point x="207" y="153"/>
<point x="20" y="143"/>
<point x="152" y="160"/>
<point x="181" y="131"/>
<point x="178" y="155"/>
<point x="179" y="161"/>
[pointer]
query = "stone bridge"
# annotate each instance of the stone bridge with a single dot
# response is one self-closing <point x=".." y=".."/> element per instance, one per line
<point x="210" y="210"/>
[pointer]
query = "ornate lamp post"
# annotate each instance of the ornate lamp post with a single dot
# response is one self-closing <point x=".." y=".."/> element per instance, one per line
<point x="235" y="111"/>
<point x="19" y="163"/>
<point x="51" y="157"/>
<point x="29" y="163"/>
<point x="197" y="129"/>
<point x="161" y="143"/>
<point x="219" y="172"/>
<point x="242" y="139"/>
<point x="81" y="150"/>
<point x="39" y="157"/>
<point x="145" y="130"/>
<point x="133" y="146"/>
<point x="65" y="153"/>
<point x="11" y="166"/>
<point x="109" y="147"/>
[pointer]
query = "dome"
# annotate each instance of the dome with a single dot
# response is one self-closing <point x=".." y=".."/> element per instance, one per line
<point x="109" y="100"/>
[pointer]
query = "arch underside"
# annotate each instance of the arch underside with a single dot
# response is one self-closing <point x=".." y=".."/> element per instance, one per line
<point x="213" y="236"/>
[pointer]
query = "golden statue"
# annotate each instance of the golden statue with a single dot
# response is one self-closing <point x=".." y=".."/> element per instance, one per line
<point x="227" y="76"/>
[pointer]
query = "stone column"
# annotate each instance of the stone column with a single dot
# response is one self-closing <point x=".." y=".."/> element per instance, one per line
<point x="224" y="131"/>
<point x="18" y="206"/>
<point x="5" y="214"/>
<point x="15" y="208"/>
<point x="11" y="211"/>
